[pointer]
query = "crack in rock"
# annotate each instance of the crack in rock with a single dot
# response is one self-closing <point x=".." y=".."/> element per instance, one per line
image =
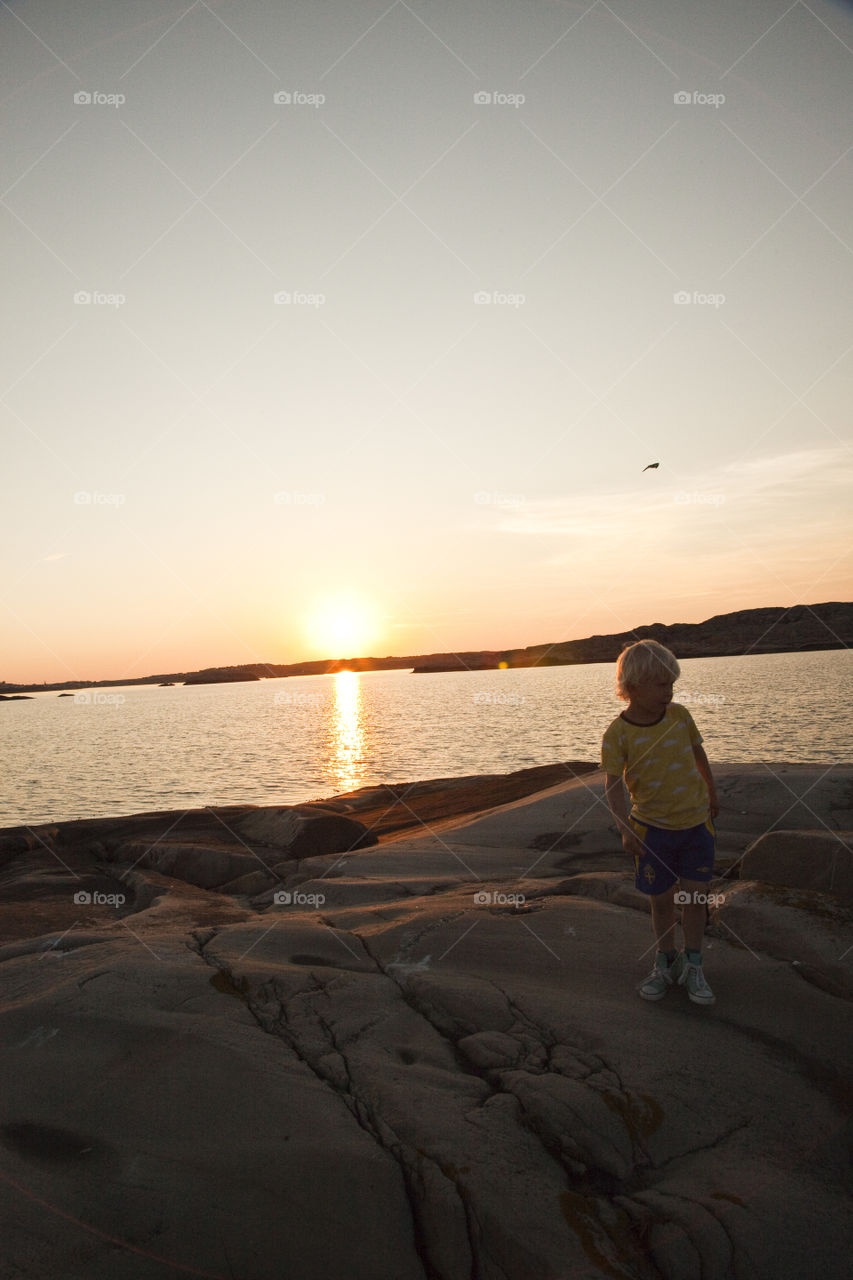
<point x="500" y="1131"/>
<point x="587" y="1223"/>
<point x="464" y="1210"/>
<point x="323" y="1066"/>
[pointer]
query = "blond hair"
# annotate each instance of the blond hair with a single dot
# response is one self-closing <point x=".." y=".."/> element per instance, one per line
<point x="645" y="660"/>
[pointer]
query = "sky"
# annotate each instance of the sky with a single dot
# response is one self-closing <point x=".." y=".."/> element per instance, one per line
<point x="337" y="329"/>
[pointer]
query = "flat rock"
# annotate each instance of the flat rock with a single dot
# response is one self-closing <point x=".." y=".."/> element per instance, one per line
<point x="205" y="865"/>
<point x="303" y="831"/>
<point x="420" y="1060"/>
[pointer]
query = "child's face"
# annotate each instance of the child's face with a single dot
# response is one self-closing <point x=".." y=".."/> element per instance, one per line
<point x="652" y="697"/>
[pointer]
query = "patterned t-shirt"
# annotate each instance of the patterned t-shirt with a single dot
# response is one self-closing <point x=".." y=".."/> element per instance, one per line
<point x="666" y="788"/>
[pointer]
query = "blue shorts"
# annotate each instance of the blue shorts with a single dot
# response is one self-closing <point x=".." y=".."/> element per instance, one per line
<point x="673" y="855"/>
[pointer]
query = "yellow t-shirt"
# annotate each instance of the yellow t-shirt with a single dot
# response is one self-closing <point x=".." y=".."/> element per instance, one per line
<point x="657" y="761"/>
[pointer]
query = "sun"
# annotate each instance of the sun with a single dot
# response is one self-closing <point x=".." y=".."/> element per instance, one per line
<point x="341" y="626"/>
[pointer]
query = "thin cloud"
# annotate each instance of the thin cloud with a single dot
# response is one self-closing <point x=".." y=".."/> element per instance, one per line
<point x="803" y="474"/>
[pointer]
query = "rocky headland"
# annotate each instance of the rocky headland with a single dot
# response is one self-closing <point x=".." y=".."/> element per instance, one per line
<point x="394" y="1035"/>
<point x="794" y="630"/>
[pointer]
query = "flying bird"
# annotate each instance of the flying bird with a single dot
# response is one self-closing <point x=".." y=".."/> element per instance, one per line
<point x="651" y="466"/>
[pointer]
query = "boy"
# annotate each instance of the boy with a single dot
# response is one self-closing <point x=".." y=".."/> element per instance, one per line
<point x="669" y="831"/>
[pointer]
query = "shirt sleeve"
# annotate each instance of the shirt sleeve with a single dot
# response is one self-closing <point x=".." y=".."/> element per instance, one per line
<point x="613" y="751"/>
<point x="690" y="724"/>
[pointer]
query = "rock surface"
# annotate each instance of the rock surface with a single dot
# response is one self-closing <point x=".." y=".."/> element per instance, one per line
<point x="804" y="860"/>
<point x="426" y="1060"/>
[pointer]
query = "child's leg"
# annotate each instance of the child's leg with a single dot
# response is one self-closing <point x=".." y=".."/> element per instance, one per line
<point x="663" y="919"/>
<point x="696" y="866"/>
<point x="693" y="914"/>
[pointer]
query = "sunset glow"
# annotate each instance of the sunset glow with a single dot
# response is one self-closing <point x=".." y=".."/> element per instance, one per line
<point x="545" y="336"/>
<point x="347" y="758"/>
<point x="341" y="626"/>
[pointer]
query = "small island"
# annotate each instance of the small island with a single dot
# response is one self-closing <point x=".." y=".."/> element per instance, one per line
<point x="219" y="675"/>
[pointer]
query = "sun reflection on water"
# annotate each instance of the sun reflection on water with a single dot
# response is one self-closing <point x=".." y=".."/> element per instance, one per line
<point x="347" y="759"/>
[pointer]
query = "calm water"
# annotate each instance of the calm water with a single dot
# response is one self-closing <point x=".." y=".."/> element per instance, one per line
<point x="125" y="750"/>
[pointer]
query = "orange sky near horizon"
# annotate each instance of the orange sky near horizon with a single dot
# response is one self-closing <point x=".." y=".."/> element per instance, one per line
<point x="347" y="626"/>
<point x="297" y="370"/>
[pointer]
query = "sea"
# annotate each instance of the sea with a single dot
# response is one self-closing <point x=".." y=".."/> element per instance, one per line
<point x="138" y="748"/>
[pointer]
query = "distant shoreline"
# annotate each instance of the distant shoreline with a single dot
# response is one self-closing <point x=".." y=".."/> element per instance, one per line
<point x="72" y="686"/>
<point x="797" y="629"/>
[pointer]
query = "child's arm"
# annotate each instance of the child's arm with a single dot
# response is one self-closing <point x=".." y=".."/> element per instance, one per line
<point x="616" y="799"/>
<point x="705" y="769"/>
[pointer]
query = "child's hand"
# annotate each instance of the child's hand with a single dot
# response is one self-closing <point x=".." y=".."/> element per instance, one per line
<point x="715" y="806"/>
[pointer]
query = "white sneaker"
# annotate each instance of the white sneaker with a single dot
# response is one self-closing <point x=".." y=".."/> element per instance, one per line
<point x="659" y="981"/>
<point x="693" y="979"/>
